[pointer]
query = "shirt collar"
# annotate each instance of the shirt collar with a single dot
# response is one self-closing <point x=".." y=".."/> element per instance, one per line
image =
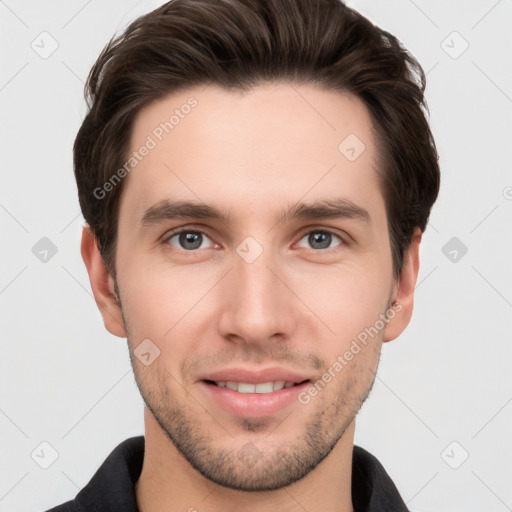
<point x="112" y="488"/>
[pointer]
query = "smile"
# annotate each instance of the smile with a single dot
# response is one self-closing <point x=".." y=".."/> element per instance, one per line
<point x="258" y="400"/>
<point x="263" y="387"/>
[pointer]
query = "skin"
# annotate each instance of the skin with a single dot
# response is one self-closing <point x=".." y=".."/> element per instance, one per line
<point x="296" y="306"/>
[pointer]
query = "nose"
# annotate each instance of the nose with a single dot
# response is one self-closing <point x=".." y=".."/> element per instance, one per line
<point x="257" y="304"/>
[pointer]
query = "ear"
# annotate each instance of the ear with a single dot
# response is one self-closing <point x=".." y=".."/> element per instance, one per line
<point x="102" y="284"/>
<point x="403" y="292"/>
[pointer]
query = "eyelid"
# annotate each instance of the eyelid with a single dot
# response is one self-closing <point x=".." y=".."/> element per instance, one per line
<point x="186" y="229"/>
<point x="342" y="235"/>
<point x="303" y="232"/>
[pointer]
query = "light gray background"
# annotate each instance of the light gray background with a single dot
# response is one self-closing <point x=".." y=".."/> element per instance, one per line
<point x="67" y="382"/>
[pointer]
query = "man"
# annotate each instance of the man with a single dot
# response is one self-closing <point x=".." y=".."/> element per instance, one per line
<point x="256" y="177"/>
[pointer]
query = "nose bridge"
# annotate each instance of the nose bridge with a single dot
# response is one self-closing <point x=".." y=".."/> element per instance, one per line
<point x="256" y="304"/>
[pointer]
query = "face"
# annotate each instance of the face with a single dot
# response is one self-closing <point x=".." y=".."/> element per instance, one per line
<point x="253" y="249"/>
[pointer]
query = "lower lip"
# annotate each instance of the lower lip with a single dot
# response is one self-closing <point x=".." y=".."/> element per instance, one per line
<point x="253" y="405"/>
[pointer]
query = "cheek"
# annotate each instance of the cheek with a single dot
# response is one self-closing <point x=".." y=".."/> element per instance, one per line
<point x="347" y="298"/>
<point x="162" y="302"/>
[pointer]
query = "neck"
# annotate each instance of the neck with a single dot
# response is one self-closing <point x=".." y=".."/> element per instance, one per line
<point x="169" y="483"/>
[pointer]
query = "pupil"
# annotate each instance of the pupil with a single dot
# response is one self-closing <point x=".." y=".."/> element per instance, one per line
<point x="322" y="240"/>
<point x="190" y="240"/>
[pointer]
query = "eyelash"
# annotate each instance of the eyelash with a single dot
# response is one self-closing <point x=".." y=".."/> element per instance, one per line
<point x="172" y="234"/>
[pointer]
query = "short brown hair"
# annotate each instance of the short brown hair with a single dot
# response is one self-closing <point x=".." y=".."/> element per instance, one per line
<point x="237" y="44"/>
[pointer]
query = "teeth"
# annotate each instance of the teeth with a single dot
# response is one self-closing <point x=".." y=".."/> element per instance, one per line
<point x="242" y="387"/>
<point x="263" y="387"/>
<point x="280" y="385"/>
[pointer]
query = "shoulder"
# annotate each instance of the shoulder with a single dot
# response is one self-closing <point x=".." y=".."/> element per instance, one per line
<point x="372" y="488"/>
<point x="69" y="506"/>
<point x="113" y="485"/>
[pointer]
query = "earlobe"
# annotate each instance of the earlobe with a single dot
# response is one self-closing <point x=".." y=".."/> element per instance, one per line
<point x="404" y="291"/>
<point x="102" y="284"/>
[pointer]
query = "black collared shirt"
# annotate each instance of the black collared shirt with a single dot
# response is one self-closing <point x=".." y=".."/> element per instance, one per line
<point x="112" y="488"/>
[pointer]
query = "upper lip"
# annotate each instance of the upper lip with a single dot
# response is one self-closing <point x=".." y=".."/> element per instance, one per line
<point x="255" y="376"/>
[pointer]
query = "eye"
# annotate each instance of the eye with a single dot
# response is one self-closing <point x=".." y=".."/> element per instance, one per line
<point x="189" y="240"/>
<point x="320" y="240"/>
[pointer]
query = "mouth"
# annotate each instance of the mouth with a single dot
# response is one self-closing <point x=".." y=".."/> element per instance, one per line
<point x="253" y="399"/>
<point x="260" y="388"/>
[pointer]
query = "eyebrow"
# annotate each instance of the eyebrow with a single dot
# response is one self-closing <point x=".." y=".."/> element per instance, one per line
<point x="339" y="208"/>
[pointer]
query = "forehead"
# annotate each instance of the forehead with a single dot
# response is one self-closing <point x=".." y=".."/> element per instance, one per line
<point x="276" y="143"/>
